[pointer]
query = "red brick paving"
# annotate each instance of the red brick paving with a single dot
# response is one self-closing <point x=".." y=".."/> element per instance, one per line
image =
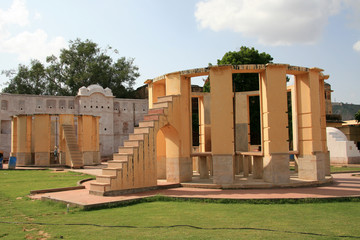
<point x="345" y="185"/>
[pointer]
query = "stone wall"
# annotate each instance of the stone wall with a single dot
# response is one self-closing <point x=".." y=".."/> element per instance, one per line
<point x="117" y="116"/>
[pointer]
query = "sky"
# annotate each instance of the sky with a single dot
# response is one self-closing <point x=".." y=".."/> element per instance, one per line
<point x="165" y="36"/>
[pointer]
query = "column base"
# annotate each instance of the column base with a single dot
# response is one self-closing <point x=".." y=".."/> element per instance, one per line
<point x="23" y="159"/>
<point x="312" y="167"/>
<point x="179" y="169"/>
<point x="223" y="169"/>
<point x="276" y="168"/>
<point x="42" y="158"/>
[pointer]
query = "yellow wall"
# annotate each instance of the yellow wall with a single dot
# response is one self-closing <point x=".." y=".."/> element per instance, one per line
<point x="222" y="133"/>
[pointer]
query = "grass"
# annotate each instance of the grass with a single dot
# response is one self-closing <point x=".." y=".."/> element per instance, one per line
<point x="164" y="219"/>
<point x="335" y="169"/>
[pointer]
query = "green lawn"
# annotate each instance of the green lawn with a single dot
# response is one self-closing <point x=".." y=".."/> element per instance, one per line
<point x="164" y="220"/>
<point x="335" y="169"/>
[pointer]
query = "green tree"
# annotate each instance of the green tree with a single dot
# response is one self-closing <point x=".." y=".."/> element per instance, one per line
<point x="246" y="82"/>
<point x="243" y="81"/>
<point x="82" y="64"/>
<point x="357" y="116"/>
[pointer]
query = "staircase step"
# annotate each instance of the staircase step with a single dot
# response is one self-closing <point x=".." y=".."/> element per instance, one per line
<point x="126" y="150"/>
<point x="141" y="130"/>
<point x="99" y="187"/>
<point x="116" y="163"/>
<point x="139" y="136"/>
<point x="165" y="99"/>
<point x="151" y="117"/>
<point x="147" y="124"/>
<point x="161" y="105"/>
<point x="155" y="111"/>
<point x="121" y="156"/>
<point x="105" y="178"/>
<point x="111" y="171"/>
<point x="131" y="143"/>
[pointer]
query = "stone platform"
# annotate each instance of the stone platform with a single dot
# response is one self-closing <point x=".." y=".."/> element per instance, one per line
<point x="344" y="185"/>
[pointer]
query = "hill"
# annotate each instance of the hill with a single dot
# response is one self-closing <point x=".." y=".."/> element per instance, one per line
<point x="346" y="110"/>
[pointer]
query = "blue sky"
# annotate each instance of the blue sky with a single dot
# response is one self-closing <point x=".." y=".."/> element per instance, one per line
<point x="170" y="35"/>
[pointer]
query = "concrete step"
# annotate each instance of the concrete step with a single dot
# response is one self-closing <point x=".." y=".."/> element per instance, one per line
<point x="121" y="156"/>
<point x="131" y="143"/>
<point x="111" y="171"/>
<point x="99" y="187"/>
<point x="161" y="105"/>
<point x="165" y="99"/>
<point x="116" y="163"/>
<point x="126" y="150"/>
<point x="156" y="111"/>
<point x="105" y="178"/>
<point x="139" y="136"/>
<point x="151" y="117"/>
<point x="147" y="123"/>
<point x="141" y="130"/>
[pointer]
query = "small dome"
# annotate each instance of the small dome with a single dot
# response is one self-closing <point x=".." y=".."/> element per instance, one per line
<point x="94" y="88"/>
<point x="336" y="133"/>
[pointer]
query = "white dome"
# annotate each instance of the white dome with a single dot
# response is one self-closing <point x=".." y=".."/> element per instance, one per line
<point x="339" y="135"/>
<point x="94" y="88"/>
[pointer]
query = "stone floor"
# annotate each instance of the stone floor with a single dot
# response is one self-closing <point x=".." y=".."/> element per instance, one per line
<point x="344" y="185"/>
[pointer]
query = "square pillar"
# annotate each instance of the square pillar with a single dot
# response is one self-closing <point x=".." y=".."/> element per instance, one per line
<point x="203" y="167"/>
<point x="23" y="140"/>
<point x="222" y="123"/>
<point x="312" y="156"/>
<point x="41" y="135"/>
<point x="273" y="97"/>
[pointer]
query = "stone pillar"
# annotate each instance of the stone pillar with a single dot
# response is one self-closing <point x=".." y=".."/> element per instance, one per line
<point x="203" y="167"/>
<point x="258" y="167"/>
<point x="222" y="123"/>
<point x="323" y="126"/>
<point x="23" y="138"/>
<point x="13" y="136"/>
<point x="201" y="124"/>
<point x="311" y="158"/>
<point x="88" y="139"/>
<point x="42" y="130"/>
<point x="274" y="121"/>
<point x="241" y="122"/>
<point x="179" y="162"/>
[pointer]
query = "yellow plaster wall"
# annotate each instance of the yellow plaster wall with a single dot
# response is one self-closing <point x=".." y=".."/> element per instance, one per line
<point x="274" y="107"/>
<point x="42" y="133"/>
<point x="222" y="133"/>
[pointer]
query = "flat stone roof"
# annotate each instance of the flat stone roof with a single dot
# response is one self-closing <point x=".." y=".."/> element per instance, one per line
<point x="246" y="68"/>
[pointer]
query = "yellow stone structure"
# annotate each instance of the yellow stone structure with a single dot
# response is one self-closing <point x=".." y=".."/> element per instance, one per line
<point x="161" y="147"/>
<point x="45" y="140"/>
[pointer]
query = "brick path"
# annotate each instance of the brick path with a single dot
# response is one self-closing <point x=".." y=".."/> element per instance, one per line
<point x="345" y="185"/>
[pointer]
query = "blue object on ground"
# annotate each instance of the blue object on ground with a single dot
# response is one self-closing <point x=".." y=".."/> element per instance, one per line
<point x="12" y="163"/>
<point x="1" y="162"/>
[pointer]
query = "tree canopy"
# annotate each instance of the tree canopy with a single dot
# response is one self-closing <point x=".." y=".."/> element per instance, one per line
<point x="243" y="81"/>
<point x="82" y="64"/>
<point x="357" y="116"/>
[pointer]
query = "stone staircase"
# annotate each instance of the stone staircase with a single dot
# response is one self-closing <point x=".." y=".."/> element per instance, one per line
<point x="134" y="166"/>
<point x="72" y="146"/>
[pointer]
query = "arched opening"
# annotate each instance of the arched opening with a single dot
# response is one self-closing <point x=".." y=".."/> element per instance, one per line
<point x="168" y="143"/>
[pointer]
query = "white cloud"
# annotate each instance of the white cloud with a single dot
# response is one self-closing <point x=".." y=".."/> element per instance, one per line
<point x="356" y="46"/>
<point x="32" y="45"/>
<point x="26" y="45"/>
<point x="272" y="22"/>
<point x="16" y="14"/>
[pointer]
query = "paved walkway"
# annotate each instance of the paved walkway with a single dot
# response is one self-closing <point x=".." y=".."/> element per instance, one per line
<point x="345" y="185"/>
